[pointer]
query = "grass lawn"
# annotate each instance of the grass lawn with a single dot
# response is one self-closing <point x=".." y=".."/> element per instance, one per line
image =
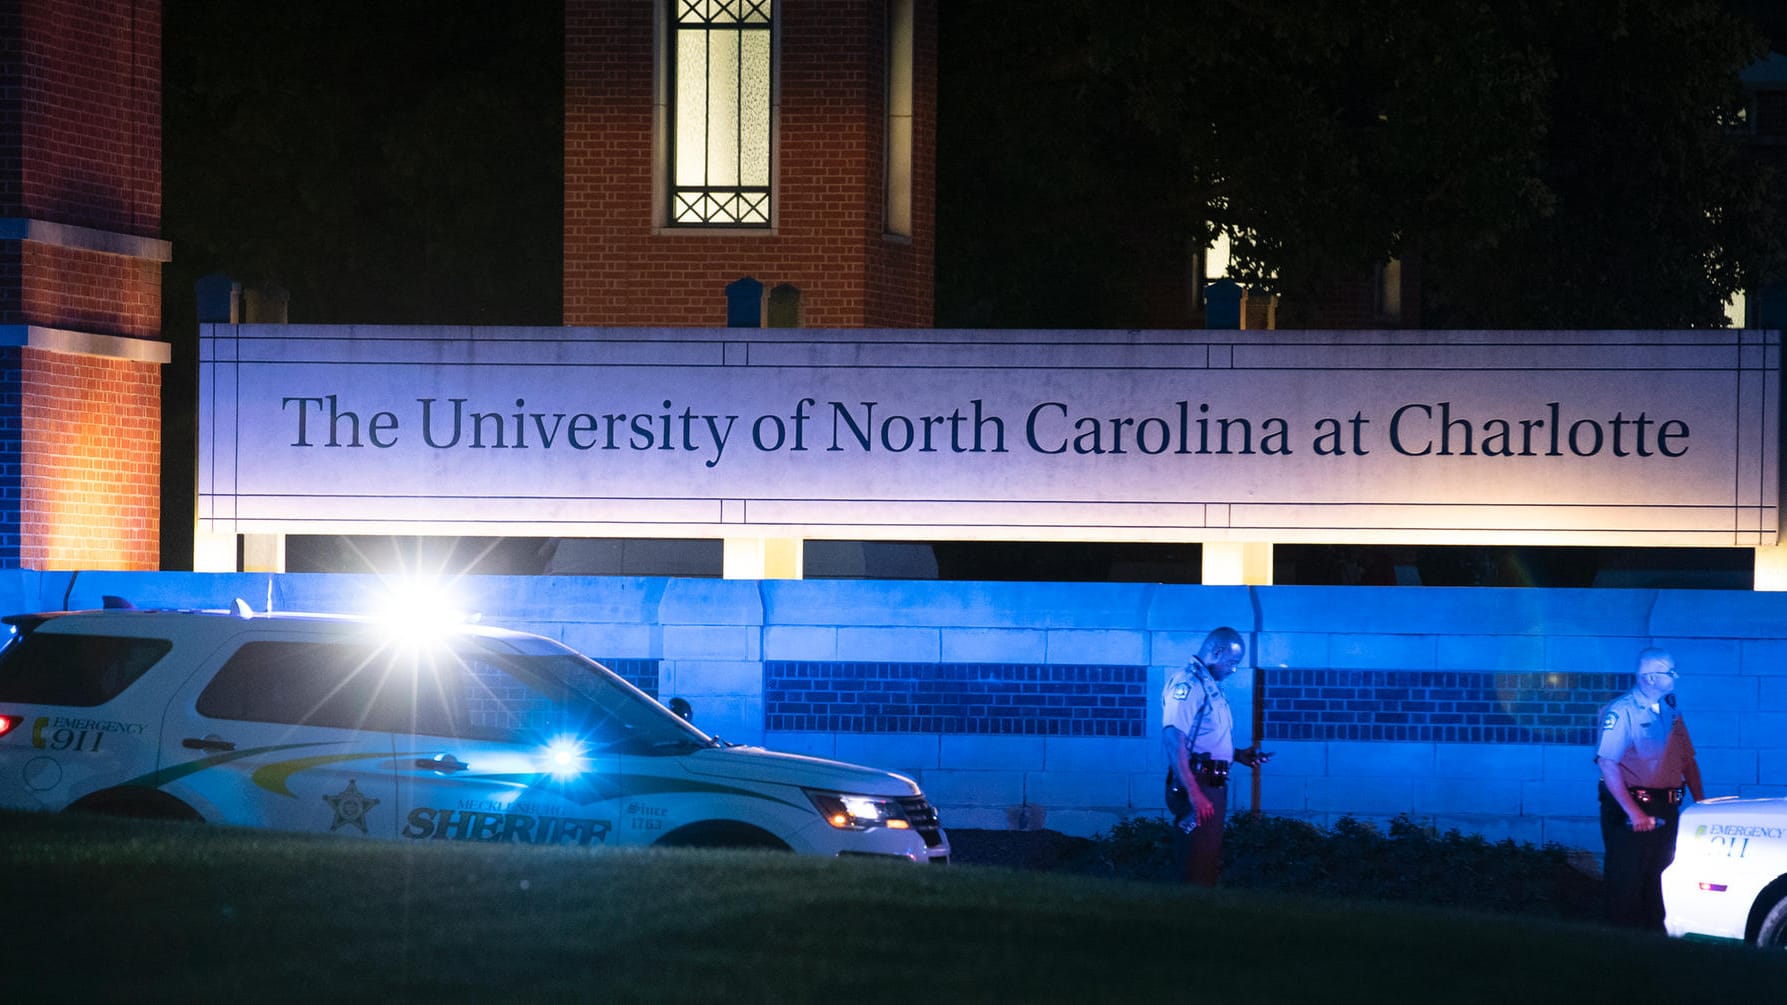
<point x="101" y="910"/>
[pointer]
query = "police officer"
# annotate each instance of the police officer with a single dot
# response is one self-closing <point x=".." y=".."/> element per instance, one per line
<point x="1197" y="731"/>
<point x="1646" y="758"/>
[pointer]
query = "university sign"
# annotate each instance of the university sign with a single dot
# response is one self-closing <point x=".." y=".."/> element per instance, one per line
<point x="1653" y="438"/>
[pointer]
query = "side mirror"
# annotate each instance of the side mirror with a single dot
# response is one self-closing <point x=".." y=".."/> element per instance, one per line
<point x="681" y="707"/>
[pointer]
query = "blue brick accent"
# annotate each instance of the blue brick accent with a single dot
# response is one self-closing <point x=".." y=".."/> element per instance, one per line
<point x="984" y="698"/>
<point x="11" y="458"/>
<point x="642" y="674"/>
<point x="1437" y="706"/>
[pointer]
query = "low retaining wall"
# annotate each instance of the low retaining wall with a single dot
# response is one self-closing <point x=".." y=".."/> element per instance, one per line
<point x="1025" y="705"/>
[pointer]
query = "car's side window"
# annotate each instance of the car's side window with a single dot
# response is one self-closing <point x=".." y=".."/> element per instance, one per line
<point x="463" y="693"/>
<point x="51" y="668"/>
<point x="314" y="684"/>
<point x="498" y="703"/>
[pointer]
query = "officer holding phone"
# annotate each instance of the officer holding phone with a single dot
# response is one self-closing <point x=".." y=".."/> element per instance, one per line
<point x="1646" y="758"/>
<point x="1197" y="732"/>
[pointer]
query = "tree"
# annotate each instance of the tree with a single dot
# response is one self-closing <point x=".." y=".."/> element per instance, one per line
<point x="1551" y="163"/>
<point x="1053" y="208"/>
<point x="396" y="162"/>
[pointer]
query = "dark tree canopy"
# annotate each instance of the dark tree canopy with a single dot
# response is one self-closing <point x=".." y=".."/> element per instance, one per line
<point x="398" y="161"/>
<point x="1551" y="163"/>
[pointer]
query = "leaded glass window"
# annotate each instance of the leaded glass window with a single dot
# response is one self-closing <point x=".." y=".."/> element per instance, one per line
<point x="721" y="67"/>
<point x="899" y="118"/>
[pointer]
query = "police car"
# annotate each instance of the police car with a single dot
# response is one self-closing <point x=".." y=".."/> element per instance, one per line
<point x="1729" y="877"/>
<point x="339" y="726"/>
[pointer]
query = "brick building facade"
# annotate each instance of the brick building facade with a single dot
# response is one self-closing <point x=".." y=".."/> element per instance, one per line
<point x="80" y="283"/>
<point x="847" y="220"/>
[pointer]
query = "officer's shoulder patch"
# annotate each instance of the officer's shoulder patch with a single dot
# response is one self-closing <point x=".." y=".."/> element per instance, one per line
<point x="1609" y="720"/>
<point x="1181" y="691"/>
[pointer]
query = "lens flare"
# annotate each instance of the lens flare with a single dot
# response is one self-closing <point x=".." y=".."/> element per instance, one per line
<point x="565" y="758"/>
<point x="419" y="611"/>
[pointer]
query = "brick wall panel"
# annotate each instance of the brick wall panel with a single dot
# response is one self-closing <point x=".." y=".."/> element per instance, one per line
<point x="90" y="467"/>
<point x="88" y="113"/>
<point x="88" y="291"/>
<point x="828" y="240"/>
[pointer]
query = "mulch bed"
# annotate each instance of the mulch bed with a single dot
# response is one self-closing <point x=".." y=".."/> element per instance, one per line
<point x="1044" y="849"/>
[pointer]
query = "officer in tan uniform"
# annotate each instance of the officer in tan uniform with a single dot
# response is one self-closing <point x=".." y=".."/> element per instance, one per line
<point x="1197" y="731"/>
<point x="1646" y="758"/>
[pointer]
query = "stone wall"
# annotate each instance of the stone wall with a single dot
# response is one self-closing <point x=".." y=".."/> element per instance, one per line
<point x="1035" y="705"/>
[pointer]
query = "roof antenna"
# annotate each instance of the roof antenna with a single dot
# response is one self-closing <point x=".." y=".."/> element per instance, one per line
<point x="243" y="611"/>
<point x="269" y="594"/>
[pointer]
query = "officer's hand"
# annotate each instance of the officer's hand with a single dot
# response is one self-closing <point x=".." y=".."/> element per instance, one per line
<point x="1644" y="823"/>
<point x="1251" y="757"/>
<point x="1206" y="809"/>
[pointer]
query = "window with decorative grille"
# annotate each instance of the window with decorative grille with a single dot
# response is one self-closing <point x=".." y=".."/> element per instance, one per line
<point x="721" y="68"/>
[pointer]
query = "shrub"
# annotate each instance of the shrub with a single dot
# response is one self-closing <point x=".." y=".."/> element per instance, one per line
<point x="1411" y="862"/>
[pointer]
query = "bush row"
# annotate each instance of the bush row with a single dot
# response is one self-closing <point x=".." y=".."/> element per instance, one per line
<point x="1410" y="862"/>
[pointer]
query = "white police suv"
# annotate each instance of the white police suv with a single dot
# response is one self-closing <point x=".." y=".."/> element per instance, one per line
<point x="1729" y="877"/>
<point x="332" y="725"/>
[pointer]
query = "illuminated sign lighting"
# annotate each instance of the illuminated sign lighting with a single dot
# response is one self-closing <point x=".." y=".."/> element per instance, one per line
<point x="1650" y="438"/>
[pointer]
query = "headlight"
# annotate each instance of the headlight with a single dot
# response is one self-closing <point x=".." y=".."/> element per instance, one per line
<point x="854" y="813"/>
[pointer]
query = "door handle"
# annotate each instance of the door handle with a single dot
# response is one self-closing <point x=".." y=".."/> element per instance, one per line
<point x="208" y="743"/>
<point x="445" y="762"/>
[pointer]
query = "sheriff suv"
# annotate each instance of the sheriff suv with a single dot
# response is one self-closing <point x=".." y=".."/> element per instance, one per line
<point x="1729" y="877"/>
<point x="333" y="725"/>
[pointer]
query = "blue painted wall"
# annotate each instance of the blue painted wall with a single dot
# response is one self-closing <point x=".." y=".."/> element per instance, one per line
<point x="1035" y="705"/>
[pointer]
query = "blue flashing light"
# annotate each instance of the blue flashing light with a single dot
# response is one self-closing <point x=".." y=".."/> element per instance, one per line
<point x="565" y="758"/>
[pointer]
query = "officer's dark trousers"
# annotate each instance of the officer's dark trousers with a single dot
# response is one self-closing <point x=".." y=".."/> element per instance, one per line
<point x="1633" y="869"/>
<point x="1199" y="854"/>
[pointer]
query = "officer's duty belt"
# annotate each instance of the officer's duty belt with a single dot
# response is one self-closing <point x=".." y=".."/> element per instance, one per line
<point x="1211" y="772"/>
<point x="1649" y="797"/>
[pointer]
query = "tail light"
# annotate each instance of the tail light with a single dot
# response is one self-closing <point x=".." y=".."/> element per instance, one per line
<point x="7" y="722"/>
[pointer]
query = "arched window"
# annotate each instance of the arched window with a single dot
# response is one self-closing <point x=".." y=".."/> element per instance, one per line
<point x="784" y="306"/>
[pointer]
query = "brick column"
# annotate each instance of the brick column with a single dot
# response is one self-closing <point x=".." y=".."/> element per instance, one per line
<point x="80" y="284"/>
